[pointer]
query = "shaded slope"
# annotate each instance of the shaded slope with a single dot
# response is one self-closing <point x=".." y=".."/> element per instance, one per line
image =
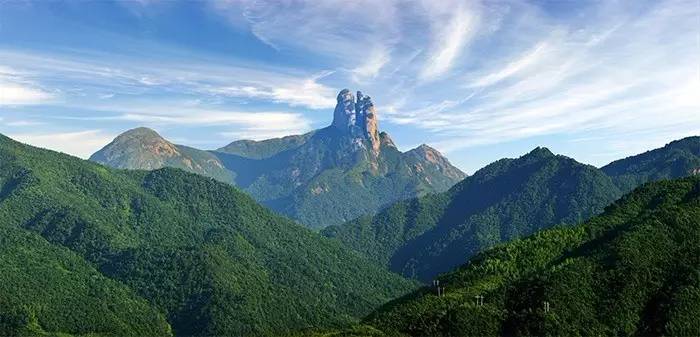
<point x="503" y="201"/>
<point x="45" y="289"/>
<point x="207" y="256"/>
<point x="630" y="271"/>
<point x="677" y="159"/>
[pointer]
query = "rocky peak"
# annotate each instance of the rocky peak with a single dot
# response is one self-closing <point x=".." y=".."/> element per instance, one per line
<point x="357" y="116"/>
<point x="344" y="117"/>
<point x="425" y="156"/>
<point x="143" y="147"/>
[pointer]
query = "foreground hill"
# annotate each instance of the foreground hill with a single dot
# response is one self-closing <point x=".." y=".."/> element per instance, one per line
<point x="677" y="159"/>
<point x="508" y="199"/>
<point x="634" y="270"/>
<point x="321" y="178"/>
<point x="88" y="249"/>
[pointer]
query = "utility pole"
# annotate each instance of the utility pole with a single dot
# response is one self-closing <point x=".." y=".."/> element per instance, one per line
<point x="436" y="284"/>
<point x="479" y="300"/>
<point x="546" y="307"/>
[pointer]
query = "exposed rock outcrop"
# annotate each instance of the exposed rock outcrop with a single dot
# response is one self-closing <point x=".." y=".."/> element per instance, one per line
<point x="357" y="116"/>
<point x="367" y="119"/>
<point x="344" y="115"/>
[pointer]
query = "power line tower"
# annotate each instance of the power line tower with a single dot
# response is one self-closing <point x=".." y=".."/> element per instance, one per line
<point x="546" y="307"/>
<point x="479" y="300"/>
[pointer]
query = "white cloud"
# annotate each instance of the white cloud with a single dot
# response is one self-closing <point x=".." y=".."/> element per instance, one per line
<point x="80" y="143"/>
<point x="196" y="77"/>
<point x="375" y="61"/>
<point x="451" y="36"/>
<point x="336" y="28"/>
<point x="247" y="125"/>
<point x="305" y="92"/>
<point x="610" y="75"/>
<point x="15" y="89"/>
<point x="252" y="125"/>
<point x="532" y="57"/>
<point x="15" y="94"/>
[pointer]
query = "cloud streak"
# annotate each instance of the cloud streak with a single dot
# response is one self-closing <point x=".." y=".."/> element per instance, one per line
<point x="81" y="143"/>
<point x="454" y="26"/>
<point x="17" y="89"/>
<point x="608" y="76"/>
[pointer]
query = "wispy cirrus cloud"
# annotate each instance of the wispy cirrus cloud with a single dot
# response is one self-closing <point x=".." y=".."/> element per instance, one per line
<point x="191" y="114"/>
<point x="17" y="89"/>
<point x="342" y="30"/>
<point x="532" y="57"/>
<point x="80" y="143"/>
<point x="605" y="75"/>
<point x="197" y="77"/>
<point x="453" y="24"/>
<point x="300" y="92"/>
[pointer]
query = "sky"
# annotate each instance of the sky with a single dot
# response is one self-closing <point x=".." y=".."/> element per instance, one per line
<point x="477" y="80"/>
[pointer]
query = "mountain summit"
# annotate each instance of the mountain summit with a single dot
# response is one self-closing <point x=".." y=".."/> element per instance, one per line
<point x="143" y="148"/>
<point x="324" y="177"/>
<point x="357" y="117"/>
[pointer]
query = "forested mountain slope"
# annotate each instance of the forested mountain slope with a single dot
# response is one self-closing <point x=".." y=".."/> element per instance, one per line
<point x="115" y="252"/>
<point x="677" y="159"/>
<point x="632" y="271"/>
<point x="505" y="200"/>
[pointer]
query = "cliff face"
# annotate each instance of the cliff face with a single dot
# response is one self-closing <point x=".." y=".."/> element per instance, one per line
<point x="356" y="116"/>
<point x="367" y="119"/>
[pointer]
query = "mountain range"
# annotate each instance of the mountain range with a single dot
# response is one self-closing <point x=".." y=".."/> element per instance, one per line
<point x="535" y="245"/>
<point x="321" y="178"/>
<point x="423" y="237"/>
<point x="632" y="271"/>
<point x="90" y="250"/>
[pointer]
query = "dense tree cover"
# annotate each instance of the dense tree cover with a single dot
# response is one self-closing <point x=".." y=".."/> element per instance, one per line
<point x="321" y="178"/>
<point x="46" y="290"/>
<point x="265" y="148"/>
<point x="634" y="270"/>
<point x="505" y="200"/>
<point x="379" y="236"/>
<point x="677" y="159"/>
<point x="165" y="243"/>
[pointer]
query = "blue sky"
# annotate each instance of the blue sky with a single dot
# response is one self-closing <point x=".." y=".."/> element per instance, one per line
<point x="478" y="80"/>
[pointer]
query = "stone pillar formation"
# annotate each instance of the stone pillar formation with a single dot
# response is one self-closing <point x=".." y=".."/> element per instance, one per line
<point x="357" y="117"/>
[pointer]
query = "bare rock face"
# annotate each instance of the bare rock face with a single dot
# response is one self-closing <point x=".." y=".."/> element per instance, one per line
<point x="344" y="117"/>
<point x="139" y="148"/>
<point x="367" y="120"/>
<point x="357" y="117"/>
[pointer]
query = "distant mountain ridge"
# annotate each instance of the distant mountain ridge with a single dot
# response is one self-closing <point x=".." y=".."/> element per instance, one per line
<point x="677" y="159"/>
<point x="321" y="178"/>
<point x="505" y="200"/>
